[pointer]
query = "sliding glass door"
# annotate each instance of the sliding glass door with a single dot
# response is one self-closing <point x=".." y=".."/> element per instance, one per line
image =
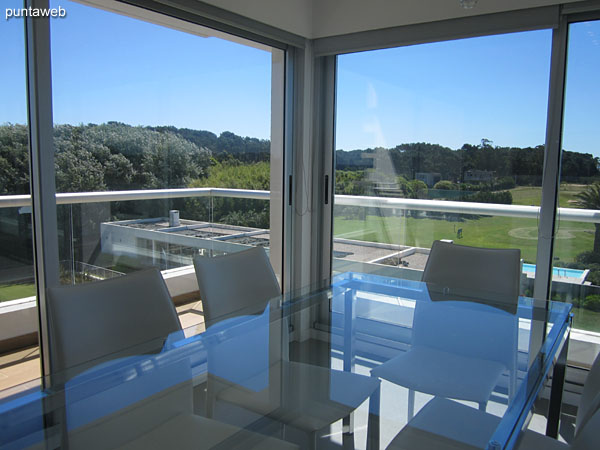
<point x="440" y="141"/>
<point x="165" y="148"/>
<point x="576" y="271"/>
<point x="154" y="124"/>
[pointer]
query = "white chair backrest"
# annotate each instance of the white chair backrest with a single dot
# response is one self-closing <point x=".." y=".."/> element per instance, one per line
<point x="496" y="271"/>
<point x="590" y="396"/>
<point x="235" y="283"/>
<point x="91" y="322"/>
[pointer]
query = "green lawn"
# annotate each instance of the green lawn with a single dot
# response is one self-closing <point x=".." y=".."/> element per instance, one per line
<point x="532" y="195"/>
<point x="15" y="291"/>
<point x="496" y="232"/>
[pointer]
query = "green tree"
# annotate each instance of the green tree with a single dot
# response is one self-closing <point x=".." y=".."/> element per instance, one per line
<point x="14" y="159"/>
<point x="78" y="171"/>
<point x="350" y="182"/>
<point x="234" y="211"/>
<point x="590" y="199"/>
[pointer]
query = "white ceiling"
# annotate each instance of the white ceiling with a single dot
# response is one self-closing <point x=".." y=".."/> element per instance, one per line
<point x="321" y="18"/>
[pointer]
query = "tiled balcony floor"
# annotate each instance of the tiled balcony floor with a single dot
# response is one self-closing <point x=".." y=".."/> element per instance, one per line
<point x="23" y="365"/>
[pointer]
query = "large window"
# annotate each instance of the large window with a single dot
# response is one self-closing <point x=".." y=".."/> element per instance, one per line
<point x="444" y="139"/>
<point x="18" y="323"/>
<point x="149" y="109"/>
<point x="576" y="272"/>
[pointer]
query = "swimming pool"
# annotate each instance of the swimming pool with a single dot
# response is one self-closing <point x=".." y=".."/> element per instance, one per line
<point x="557" y="271"/>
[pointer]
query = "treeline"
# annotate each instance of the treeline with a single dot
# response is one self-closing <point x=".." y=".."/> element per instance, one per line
<point x="524" y="165"/>
<point x="116" y="156"/>
<point x="233" y="211"/>
<point x="111" y="156"/>
<point x="226" y="146"/>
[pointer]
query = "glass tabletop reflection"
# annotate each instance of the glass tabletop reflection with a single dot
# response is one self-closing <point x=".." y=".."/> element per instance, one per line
<point x="363" y="360"/>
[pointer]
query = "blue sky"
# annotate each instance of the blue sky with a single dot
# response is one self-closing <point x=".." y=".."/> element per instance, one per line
<point x="109" y="67"/>
<point x="450" y="93"/>
<point x="458" y="92"/>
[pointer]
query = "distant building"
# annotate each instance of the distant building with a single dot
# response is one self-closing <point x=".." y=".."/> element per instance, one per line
<point x="429" y="178"/>
<point x="479" y="176"/>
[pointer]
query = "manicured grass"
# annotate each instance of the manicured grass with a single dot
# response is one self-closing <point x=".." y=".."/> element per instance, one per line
<point x="527" y="195"/>
<point x="495" y="232"/>
<point x="15" y="291"/>
<point x="532" y="195"/>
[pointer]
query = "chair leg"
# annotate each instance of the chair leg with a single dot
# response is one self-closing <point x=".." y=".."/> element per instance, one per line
<point x="373" y="422"/>
<point x="348" y="424"/>
<point x="348" y="441"/>
<point x="312" y="438"/>
<point x="411" y="405"/>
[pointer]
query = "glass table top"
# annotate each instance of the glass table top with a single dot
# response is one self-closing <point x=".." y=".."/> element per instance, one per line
<point x="369" y="360"/>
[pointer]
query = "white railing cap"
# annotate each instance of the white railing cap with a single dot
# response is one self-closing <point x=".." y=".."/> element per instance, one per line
<point x="486" y="209"/>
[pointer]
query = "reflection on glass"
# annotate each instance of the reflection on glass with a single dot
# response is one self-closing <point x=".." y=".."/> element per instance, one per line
<point x="442" y="138"/>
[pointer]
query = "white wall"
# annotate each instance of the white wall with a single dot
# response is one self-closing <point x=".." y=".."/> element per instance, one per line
<point x="294" y="16"/>
<point x="333" y="17"/>
<point x="320" y="18"/>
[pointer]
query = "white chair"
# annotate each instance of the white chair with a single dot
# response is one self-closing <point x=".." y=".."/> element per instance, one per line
<point x="237" y="287"/>
<point x="460" y="349"/>
<point x="493" y="273"/>
<point x="448" y="425"/>
<point x="94" y="322"/>
<point x="119" y="388"/>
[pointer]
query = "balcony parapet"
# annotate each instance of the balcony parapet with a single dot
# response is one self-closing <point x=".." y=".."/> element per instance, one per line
<point x="485" y="209"/>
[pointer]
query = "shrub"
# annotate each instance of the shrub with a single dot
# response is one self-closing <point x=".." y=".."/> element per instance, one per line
<point x="445" y="185"/>
<point x="592" y="302"/>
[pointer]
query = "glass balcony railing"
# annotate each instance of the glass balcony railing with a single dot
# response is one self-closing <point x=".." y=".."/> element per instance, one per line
<point x="104" y="234"/>
<point x="107" y="234"/>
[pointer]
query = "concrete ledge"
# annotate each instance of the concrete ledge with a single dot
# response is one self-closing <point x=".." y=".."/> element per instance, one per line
<point x="182" y="283"/>
<point x="18" y="324"/>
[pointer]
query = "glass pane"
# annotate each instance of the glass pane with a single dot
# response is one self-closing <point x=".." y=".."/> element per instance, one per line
<point x="144" y="114"/>
<point x="18" y="313"/>
<point x="443" y="140"/>
<point x="576" y="272"/>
